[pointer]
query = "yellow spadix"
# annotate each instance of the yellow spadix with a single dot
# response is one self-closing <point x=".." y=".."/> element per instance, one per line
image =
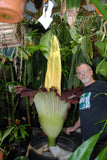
<point x="53" y="73"/>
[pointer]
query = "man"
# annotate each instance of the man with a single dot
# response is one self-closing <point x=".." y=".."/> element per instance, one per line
<point x="92" y="105"/>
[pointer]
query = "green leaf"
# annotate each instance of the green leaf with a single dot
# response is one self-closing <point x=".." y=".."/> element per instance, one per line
<point x="22" y="132"/>
<point x="84" y="151"/>
<point x="71" y="74"/>
<point x="11" y="138"/>
<point x="45" y="43"/>
<point x="102" y="47"/>
<point x="75" y="49"/>
<point x="26" y="134"/>
<point x="33" y="33"/>
<point x="102" y="155"/>
<point x="99" y="35"/>
<point x="74" y="34"/>
<point x="0" y="135"/>
<point x="90" y="49"/>
<point x="6" y="134"/>
<point x="102" y="68"/>
<point x="72" y="4"/>
<point x="64" y="35"/>
<point x="85" y="49"/>
<point x="105" y="5"/>
<point x="99" y="5"/>
<point x="15" y="133"/>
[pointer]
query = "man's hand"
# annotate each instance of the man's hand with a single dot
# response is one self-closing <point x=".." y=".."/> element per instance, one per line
<point x="70" y="129"/>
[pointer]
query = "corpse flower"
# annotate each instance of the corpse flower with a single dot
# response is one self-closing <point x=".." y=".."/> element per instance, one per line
<point x="50" y="103"/>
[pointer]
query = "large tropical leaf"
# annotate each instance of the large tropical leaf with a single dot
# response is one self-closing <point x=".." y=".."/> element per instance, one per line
<point x="84" y="151"/>
<point x="102" y="68"/>
<point x="102" y="155"/>
<point x="45" y="43"/>
<point x="99" y="35"/>
<point x="5" y="135"/>
<point x="90" y="48"/>
<point x="99" y="5"/>
<point x="64" y="35"/>
<point x="73" y="4"/>
<point x="102" y="47"/>
<point x="73" y="32"/>
<point x="71" y="75"/>
<point x="85" y="43"/>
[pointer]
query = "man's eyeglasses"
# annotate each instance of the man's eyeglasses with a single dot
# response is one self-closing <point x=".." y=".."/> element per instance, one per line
<point x="86" y="70"/>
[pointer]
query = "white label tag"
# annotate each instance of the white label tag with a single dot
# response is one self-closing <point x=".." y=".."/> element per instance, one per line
<point x="45" y="19"/>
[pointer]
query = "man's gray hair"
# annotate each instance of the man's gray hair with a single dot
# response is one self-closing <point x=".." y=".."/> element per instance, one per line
<point x="85" y="64"/>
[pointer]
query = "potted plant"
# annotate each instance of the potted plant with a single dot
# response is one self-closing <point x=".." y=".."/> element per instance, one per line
<point x="51" y="103"/>
<point x="18" y="133"/>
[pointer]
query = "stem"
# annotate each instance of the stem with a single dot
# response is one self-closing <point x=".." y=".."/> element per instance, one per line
<point x="4" y="75"/>
<point x="26" y="98"/>
<point x="105" y="124"/>
<point x="51" y="141"/>
<point x="12" y="79"/>
<point x="71" y="75"/>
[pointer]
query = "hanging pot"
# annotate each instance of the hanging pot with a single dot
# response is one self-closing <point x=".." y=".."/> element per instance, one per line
<point x="11" y="11"/>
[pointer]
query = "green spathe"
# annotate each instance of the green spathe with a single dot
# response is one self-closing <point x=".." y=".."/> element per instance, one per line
<point x="51" y="111"/>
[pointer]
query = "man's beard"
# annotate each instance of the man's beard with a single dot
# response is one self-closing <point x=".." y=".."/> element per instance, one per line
<point x="85" y="80"/>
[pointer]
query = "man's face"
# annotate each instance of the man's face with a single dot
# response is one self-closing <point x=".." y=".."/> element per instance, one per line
<point x="84" y="73"/>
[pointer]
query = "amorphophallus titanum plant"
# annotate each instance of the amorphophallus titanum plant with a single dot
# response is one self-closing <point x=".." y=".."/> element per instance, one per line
<point x="50" y="102"/>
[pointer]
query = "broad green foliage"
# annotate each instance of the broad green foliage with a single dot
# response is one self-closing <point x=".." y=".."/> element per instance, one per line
<point x="4" y="135"/>
<point x="86" y="46"/>
<point x="102" y="47"/>
<point x="76" y="45"/>
<point x="73" y="4"/>
<point x="99" y="5"/>
<point x="76" y="3"/>
<point x="18" y="132"/>
<point x="84" y="151"/>
<point x="102" y="68"/>
<point x="45" y="42"/>
<point x="102" y="155"/>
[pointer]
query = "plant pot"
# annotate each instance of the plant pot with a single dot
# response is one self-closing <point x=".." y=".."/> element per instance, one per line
<point x="37" y="142"/>
<point x="11" y="11"/>
<point x="21" y="158"/>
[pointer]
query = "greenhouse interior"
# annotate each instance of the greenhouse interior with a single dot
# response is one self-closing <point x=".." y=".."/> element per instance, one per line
<point x="53" y="80"/>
